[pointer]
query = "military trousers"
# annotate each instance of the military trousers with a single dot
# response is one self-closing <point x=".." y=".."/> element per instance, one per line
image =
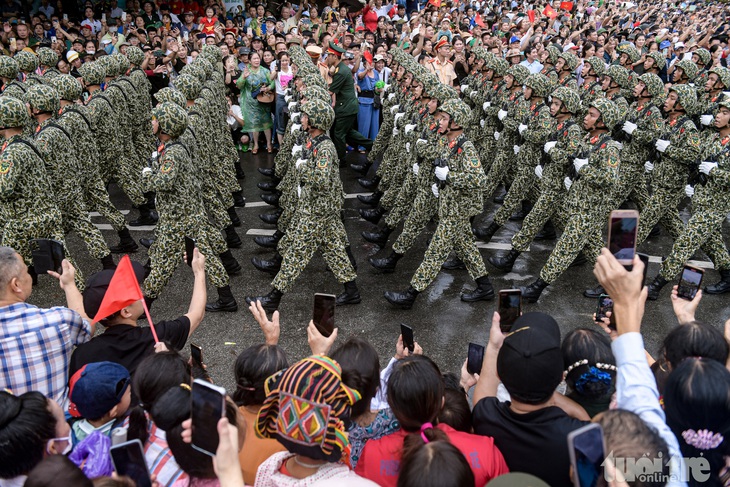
<point x="343" y="131"/>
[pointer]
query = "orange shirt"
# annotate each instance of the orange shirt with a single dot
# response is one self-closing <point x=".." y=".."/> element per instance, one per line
<point x="255" y="450"/>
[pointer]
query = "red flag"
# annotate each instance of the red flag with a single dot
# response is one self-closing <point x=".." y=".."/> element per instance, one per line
<point x="478" y="20"/>
<point x="549" y="12"/>
<point x="566" y="6"/>
<point x="531" y="16"/>
<point x="392" y="12"/>
<point x="435" y="3"/>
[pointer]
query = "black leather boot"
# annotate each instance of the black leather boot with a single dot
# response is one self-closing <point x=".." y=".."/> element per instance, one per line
<point x="230" y="263"/>
<point x="269" y="241"/>
<point x="522" y="213"/>
<point x="722" y="286"/>
<point x="656" y="287"/>
<point x="226" y="301"/>
<point x="147" y="216"/>
<point x="126" y="243"/>
<point x="594" y="292"/>
<point x="378" y="238"/>
<point x="453" y="264"/>
<point x="387" y="264"/>
<point x="107" y="262"/>
<point x="270" y="302"/>
<point x="361" y="168"/>
<point x="271" y="218"/>
<point x="372" y="215"/>
<point x="483" y="292"/>
<point x="233" y="216"/>
<point x="370" y="199"/>
<point x="271" y="199"/>
<point x="655" y="232"/>
<point x="146" y="242"/>
<point x="487" y="233"/>
<point x="267" y="185"/>
<point x="233" y="241"/>
<point x="239" y="171"/>
<point x="369" y="183"/>
<point x="150" y="197"/>
<point x="505" y="262"/>
<point x="267" y="171"/>
<point x="238" y="200"/>
<point x="532" y="292"/>
<point x="348" y="250"/>
<point x="269" y="266"/>
<point x="403" y="300"/>
<point x="499" y="199"/>
<point x="547" y="232"/>
<point x="350" y="296"/>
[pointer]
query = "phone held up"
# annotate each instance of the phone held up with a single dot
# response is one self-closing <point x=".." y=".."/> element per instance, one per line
<point x="690" y="282"/>
<point x="623" y="226"/>
<point x="129" y="460"/>
<point x="406" y="332"/>
<point x="208" y="407"/>
<point x="323" y="313"/>
<point x="510" y="308"/>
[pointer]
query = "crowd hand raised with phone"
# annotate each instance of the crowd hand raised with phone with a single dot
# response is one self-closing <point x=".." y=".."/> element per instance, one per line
<point x="685" y="310"/>
<point x="226" y="464"/>
<point x="401" y="351"/>
<point x="625" y="288"/>
<point x="318" y="343"/>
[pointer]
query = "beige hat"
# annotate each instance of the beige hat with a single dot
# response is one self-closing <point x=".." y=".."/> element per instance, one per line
<point x="513" y="53"/>
<point x="72" y="55"/>
<point x="314" y="52"/>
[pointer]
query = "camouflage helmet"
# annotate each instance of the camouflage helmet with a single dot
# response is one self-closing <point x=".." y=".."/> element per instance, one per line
<point x="689" y="69"/>
<point x="47" y="57"/>
<point x="8" y="67"/>
<point x="320" y="113"/>
<point x="314" y="79"/>
<point x="723" y="75"/>
<point x="211" y="53"/>
<point x="171" y="95"/>
<point x="654" y="84"/>
<point x="553" y="53"/>
<point x="189" y="86"/>
<point x="519" y="73"/>
<point x="628" y="49"/>
<point x="110" y="67"/>
<point x="27" y="62"/>
<point x="195" y="70"/>
<point x="571" y="61"/>
<point x="172" y="119"/>
<point x="609" y="112"/>
<point x="458" y="110"/>
<point x="540" y="85"/>
<point x="569" y="98"/>
<point x="93" y="73"/>
<point x="315" y="92"/>
<point x="67" y="87"/>
<point x="599" y="67"/>
<point x="123" y="63"/>
<point x="13" y="113"/>
<point x="687" y="97"/>
<point x="500" y="66"/>
<point x="135" y="55"/>
<point x="619" y="75"/>
<point x="659" y="60"/>
<point x="43" y="98"/>
<point x="205" y="64"/>
<point x="704" y="56"/>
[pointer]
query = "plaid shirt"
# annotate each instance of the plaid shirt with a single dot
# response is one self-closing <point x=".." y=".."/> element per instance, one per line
<point x="35" y="348"/>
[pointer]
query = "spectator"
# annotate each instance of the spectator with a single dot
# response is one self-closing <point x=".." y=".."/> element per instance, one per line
<point x="368" y="116"/>
<point x="57" y="470"/>
<point x="256" y="79"/>
<point x="434" y="464"/>
<point x="282" y="76"/>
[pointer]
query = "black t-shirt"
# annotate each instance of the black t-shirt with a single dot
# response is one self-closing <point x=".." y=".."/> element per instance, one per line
<point x="535" y="443"/>
<point x="128" y="345"/>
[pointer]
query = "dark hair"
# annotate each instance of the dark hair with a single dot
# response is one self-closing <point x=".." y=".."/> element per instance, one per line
<point x="57" y="470"/>
<point x="694" y="340"/>
<point x="456" y="412"/>
<point x="415" y="392"/>
<point x="697" y="397"/>
<point x="588" y="344"/>
<point x="26" y="425"/>
<point x="434" y="464"/>
<point x="360" y="370"/>
<point x="110" y="482"/>
<point x="253" y="366"/>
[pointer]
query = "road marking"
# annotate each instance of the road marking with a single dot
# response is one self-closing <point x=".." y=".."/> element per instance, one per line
<point x="260" y="231"/>
<point x="143" y="228"/>
<point x="95" y="213"/>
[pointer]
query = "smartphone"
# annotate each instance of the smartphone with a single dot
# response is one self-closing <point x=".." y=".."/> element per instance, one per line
<point x="103" y="17"/>
<point x="407" y="333"/>
<point x="54" y="39"/>
<point x="196" y="353"/>
<point x="622" y="228"/>
<point x="208" y="407"/>
<point x="645" y="260"/>
<point x="323" y="313"/>
<point x="474" y="358"/>
<point x="605" y="304"/>
<point x="128" y="459"/>
<point x="186" y="36"/>
<point x="65" y="16"/>
<point x="510" y="308"/>
<point x="189" y="250"/>
<point x="586" y="447"/>
<point x="124" y="16"/>
<point x="690" y="282"/>
<point x="47" y="255"/>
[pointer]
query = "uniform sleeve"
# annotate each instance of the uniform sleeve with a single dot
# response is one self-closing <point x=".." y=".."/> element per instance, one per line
<point x="515" y="116"/>
<point x="318" y="177"/>
<point x="471" y="175"/>
<point x="566" y="147"/>
<point x="338" y="82"/>
<point x="8" y="175"/>
<point x="650" y="129"/>
<point x="604" y="172"/>
<point x="163" y="179"/>
<point x="685" y="146"/>
<point x="538" y="131"/>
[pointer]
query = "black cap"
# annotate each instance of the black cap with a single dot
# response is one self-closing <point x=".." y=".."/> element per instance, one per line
<point x="97" y="285"/>
<point x="257" y="38"/>
<point x="244" y="50"/>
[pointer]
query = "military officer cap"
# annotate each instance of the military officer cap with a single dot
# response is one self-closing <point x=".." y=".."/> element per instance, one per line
<point x="171" y="95"/>
<point x="8" y="67"/>
<point x="67" y="86"/>
<point x="93" y="73"/>
<point x="135" y="55"/>
<point x="458" y="110"/>
<point x="608" y="110"/>
<point x="689" y="69"/>
<point x="723" y="75"/>
<point x="13" y="113"/>
<point x="320" y="113"/>
<point x="569" y="98"/>
<point x="43" y="98"/>
<point x="189" y="86"/>
<point x="172" y="119"/>
<point x="687" y="97"/>
<point x="27" y="62"/>
<point x="335" y="49"/>
<point x="47" y="57"/>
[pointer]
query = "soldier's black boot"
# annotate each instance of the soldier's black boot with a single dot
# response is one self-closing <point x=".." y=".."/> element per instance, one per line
<point x="348" y="250"/>
<point x="547" y="232"/>
<point x="267" y="185"/>
<point x="150" y="197"/>
<point x="350" y="296"/>
<point x="403" y="300"/>
<point x="33" y="275"/>
<point x="595" y="292"/>
<point x="271" y="218"/>
<point x="238" y="200"/>
<point x="230" y="263"/>
<point x="269" y="266"/>
<point x="372" y="215"/>
<point x="722" y="286"/>
<point x="233" y="241"/>
<point x="148" y="301"/>
<point x="656" y="287"/>
<point x="233" y="216"/>
<point x="378" y="238"/>
<point x="147" y="216"/>
<point x="532" y="292"/>
<point x="387" y="264"/>
<point x="505" y="262"/>
<point x="267" y="171"/>
<point x="369" y="183"/>
<point x="370" y="199"/>
<point x="453" y="264"/>
<point x="522" y="213"/>
<point x="361" y="168"/>
<point x="239" y="171"/>
<point x="107" y="262"/>
<point x="483" y="292"/>
<point x="146" y="242"/>
<point x="269" y="241"/>
<point x="126" y="243"/>
<point x="487" y="233"/>
<point x="270" y="302"/>
<point x="226" y="301"/>
<point x="147" y="268"/>
<point x="271" y="199"/>
<point x="655" y="232"/>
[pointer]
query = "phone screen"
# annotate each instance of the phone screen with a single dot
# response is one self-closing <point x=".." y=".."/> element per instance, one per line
<point x="689" y="283"/>
<point x="189" y="250"/>
<point x="474" y="358"/>
<point x="586" y="448"/>
<point x="128" y="459"/>
<point x="207" y="409"/>
<point x="323" y="314"/>
<point x="407" y="334"/>
<point x="510" y="308"/>
<point x="605" y="304"/>
<point x="622" y="235"/>
<point x="196" y="352"/>
<point x="47" y="256"/>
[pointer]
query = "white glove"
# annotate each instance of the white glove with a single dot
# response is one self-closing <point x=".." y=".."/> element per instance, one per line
<point x="486" y="105"/>
<point x="661" y="145"/>
<point x="549" y="146"/>
<point x="415" y="168"/>
<point x="409" y="128"/>
<point x="146" y="171"/>
<point x="295" y="127"/>
<point x="299" y="191"/>
<point x="395" y="131"/>
<point x="391" y="96"/>
<point x="435" y="190"/>
<point x="291" y="105"/>
<point x="516" y="148"/>
<point x="408" y="147"/>
<point x="287" y="98"/>
<point x="496" y="135"/>
<point x="300" y="162"/>
<point x="620" y="145"/>
<point x="441" y="173"/>
<point x="502" y="114"/>
<point x="579" y="163"/>
<point x="568" y="183"/>
<point x="394" y="108"/>
<point x="521" y="129"/>
<point x="689" y="191"/>
<point x="296" y="150"/>
<point x="629" y="127"/>
<point x="482" y="123"/>
<point x="295" y="114"/>
<point x="386" y="88"/>
<point x="473" y="94"/>
<point x="648" y="166"/>
<point x="399" y="115"/>
<point x="538" y="171"/>
<point x="706" y="120"/>
<point x="464" y="88"/>
<point x="707" y="167"/>
<point x="421" y="142"/>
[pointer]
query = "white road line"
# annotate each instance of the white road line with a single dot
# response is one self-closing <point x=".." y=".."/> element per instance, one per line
<point x="143" y="228"/>
<point x="259" y="232"/>
<point x="95" y="213"/>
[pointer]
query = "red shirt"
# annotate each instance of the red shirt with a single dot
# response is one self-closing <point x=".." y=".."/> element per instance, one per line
<point x="380" y="459"/>
<point x="370" y="18"/>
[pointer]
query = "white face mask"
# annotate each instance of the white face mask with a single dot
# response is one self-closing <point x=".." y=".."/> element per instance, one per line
<point x="65" y="451"/>
<point x="92" y="52"/>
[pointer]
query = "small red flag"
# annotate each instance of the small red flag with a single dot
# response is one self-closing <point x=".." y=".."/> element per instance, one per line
<point x="549" y="12"/>
<point x="478" y="20"/>
<point x="392" y="12"/>
<point x="566" y="6"/>
<point x="435" y="3"/>
<point x="531" y="16"/>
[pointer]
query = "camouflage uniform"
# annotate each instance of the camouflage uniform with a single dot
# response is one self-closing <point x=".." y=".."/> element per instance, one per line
<point x="566" y="76"/>
<point x="143" y="140"/>
<point x="47" y="58"/>
<point x="591" y="90"/>
<point x="27" y="65"/>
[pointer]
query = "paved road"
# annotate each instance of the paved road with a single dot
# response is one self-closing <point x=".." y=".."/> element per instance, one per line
<point x="443" y="325"/>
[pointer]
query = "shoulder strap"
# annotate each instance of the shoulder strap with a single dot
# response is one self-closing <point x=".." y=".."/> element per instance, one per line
<point x="55" y="125"/>
<point x="76" y="110"/>
<point x="181" y="145"/>
<point x="25" y="142"/>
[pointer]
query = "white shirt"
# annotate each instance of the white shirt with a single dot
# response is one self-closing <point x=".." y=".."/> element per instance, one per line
<point x="94" y="24"/>
<point x="534" y="67"/>
<point x="383" y="11"/>
<point x="232" y="122"/>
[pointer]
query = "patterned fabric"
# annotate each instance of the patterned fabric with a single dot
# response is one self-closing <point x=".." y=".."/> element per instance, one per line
<point x="158" y="456"/>
<point x="384" y="424"/>
<point x="256" y="116"/>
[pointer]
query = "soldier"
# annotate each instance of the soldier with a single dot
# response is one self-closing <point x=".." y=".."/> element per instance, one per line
<point x="317" y="223"/>
<point x="47" y="59"/>
<point x="593" y="69"/>
<point x="459" y="188"/>
<point x="441" y="65"/>
<point x="143" y="140"/>
<point x="566" y="66"/>
<point x="685" y="71"/>
<point x="9" y="76"/>
<point x="27" y="65"/>
<point x="703" y="59"/>
<point x="654" y="63"/>
<point x="717" y="81"/>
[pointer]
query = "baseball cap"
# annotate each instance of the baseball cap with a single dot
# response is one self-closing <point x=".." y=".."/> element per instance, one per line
<point x="244" y="50"/>
<point x="679" y="45"/>
<point x="378" y="57"/>
<point x="664" y="44"/>
<point x="514" y="39"/>
<point x="98" y="283"/>
<point x="530" y="363"/>
<point x="270" y="19"/>
<point x="72" y="55"/>
<point x="96" y="388"/>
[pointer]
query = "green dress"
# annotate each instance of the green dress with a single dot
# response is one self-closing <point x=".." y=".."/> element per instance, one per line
<point x="256" y="116"/>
